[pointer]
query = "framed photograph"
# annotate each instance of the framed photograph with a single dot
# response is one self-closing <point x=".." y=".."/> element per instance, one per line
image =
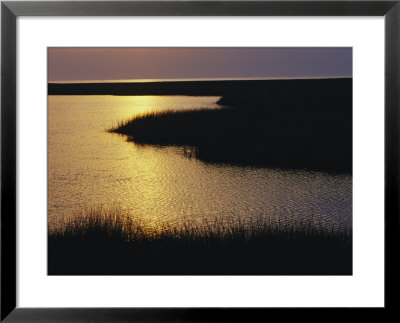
<point x="197" y="160"/>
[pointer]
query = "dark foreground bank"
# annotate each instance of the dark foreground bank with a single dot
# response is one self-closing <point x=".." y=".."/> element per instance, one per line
<point x="109" y="244"/>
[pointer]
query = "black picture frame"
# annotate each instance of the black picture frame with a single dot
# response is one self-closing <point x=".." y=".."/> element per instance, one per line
<point x="10" y="10"/>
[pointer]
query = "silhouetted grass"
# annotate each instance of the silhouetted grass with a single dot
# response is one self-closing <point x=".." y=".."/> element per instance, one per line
<point x="109" y="242"/>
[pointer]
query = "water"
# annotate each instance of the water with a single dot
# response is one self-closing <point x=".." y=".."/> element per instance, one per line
<point x="89" y="167"/>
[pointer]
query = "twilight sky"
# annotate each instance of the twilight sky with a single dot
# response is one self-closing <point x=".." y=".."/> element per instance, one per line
<point x="67" y="64"/>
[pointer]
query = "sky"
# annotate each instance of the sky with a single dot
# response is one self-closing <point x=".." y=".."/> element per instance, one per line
<point x="74" y="64"/>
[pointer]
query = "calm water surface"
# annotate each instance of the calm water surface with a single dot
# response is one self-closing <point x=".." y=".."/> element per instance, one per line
<point x="90" y="167"/>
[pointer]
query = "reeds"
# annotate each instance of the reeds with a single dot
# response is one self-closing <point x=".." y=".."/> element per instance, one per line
<point x="113" y="242"/>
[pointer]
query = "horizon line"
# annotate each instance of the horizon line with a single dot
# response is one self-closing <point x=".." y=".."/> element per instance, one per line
<point x="138" y="80"/>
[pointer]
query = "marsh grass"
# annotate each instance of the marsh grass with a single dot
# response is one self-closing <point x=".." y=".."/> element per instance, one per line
<point x="250" y="137"/>
<point x="112" y="242"/>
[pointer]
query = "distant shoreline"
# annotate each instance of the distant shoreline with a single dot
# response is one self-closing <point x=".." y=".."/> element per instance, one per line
<point x="192" y="88"/>
<point x="200" y="79"/>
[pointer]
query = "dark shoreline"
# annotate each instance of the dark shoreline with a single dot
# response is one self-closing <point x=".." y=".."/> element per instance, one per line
<point x="196" y="88"/>
<point x="290" y="124"/>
